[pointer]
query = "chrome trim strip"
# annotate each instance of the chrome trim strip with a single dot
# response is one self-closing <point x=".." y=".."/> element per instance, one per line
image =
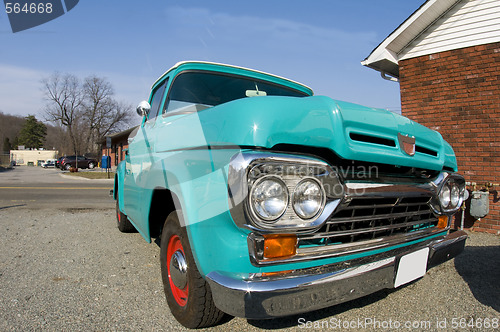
<point x="361" y="207"/>
<point x="337" y="250"/>
<point x="377" y="217"/>
<point x="364" y="230"/>
<point x="375" y="244"/>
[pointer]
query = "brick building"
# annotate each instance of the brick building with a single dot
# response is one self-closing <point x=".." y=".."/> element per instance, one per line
<point x="446" y="57"/>
<point x="118" y="143"/>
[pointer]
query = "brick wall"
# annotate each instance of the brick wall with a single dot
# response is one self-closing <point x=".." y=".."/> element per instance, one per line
<point x="458" y="94"/>
<point x="116" y="152"/>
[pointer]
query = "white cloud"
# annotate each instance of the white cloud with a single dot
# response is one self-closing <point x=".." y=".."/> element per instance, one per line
<point x="20" y="92"/>
<point x="259" y="35"/>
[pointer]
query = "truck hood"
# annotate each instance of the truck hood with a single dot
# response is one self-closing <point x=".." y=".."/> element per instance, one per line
<point x="351" y="131"/>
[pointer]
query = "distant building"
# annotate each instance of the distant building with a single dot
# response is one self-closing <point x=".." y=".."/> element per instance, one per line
<point x="446" y="57"/>
<point x="31" y="157"/>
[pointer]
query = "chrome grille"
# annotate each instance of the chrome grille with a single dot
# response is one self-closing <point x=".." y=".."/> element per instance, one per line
<point x="366" y="219"/>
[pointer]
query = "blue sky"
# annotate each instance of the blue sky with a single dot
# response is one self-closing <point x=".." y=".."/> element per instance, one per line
<point x="319" y="43"/>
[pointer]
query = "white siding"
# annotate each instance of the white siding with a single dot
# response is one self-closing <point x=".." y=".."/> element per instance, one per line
<point x="469" y="23"/>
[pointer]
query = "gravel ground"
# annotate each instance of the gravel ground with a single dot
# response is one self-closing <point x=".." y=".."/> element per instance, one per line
<point x="72" y="270"/>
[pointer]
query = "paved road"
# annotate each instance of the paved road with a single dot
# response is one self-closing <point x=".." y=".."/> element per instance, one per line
<point x="36" y="187"/>
<point x="65" y="267"/>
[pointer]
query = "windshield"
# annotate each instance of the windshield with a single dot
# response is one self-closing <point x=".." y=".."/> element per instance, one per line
<point x="212" y="89"/>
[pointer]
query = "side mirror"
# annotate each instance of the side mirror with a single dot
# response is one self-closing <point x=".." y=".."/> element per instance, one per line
<point x="143" y="108"/>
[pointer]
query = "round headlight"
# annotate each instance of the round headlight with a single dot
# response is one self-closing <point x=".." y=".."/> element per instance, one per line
<point x="269" y="198"/>
<point x="454" y="195"/>
<point x="307" y="199"/>
<point x="444" y="196"/>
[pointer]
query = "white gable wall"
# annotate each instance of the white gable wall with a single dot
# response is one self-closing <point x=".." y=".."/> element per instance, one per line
<point x="468" y="23"/>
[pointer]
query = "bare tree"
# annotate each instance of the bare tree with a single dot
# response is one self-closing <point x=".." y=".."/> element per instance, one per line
<point x="117" y="118"/>
<point x="103" y="114"/>
<point x="65" y="104"/>
<point x="86" y="109"/>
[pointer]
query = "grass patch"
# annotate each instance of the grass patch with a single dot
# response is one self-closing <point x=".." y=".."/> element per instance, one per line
<point x="93" y="175"/>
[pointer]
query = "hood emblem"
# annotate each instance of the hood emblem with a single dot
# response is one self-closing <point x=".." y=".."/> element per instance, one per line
<point x="407" y="144"/>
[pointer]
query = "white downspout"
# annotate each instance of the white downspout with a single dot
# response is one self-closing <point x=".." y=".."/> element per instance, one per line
<point x="388" y="77"/>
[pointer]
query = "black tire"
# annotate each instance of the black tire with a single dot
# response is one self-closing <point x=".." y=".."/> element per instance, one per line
<point x="192" y="305"/>
<point x="122" y="222"/>
<point x="67" y="167"/>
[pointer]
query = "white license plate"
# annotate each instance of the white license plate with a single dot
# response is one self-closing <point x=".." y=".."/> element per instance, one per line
<point x="412" y="266"/>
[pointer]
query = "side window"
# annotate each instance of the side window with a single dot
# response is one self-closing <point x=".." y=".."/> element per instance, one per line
<point x="156" y="99"/>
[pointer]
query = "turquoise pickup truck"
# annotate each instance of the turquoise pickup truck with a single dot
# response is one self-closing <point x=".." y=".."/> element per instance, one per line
<point x="269" y="201"/>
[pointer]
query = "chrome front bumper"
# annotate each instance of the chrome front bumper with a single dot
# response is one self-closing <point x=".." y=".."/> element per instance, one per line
<point x="295" y="292"/>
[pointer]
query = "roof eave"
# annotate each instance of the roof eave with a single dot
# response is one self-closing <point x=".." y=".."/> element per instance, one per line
<point x="384" y="57"/>
<point x="384" y="61"/>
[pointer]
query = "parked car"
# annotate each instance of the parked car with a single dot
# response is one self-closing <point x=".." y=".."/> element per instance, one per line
<point x="270" y="201"/>
<point x="58" y="162"/>
<point x="71" y="161"/>
<point x="49" y="163"/>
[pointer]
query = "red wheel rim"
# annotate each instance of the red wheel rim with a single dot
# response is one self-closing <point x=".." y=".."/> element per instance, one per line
<point x="180" y="295"/>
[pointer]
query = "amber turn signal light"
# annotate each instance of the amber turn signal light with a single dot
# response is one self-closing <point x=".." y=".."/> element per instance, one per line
<point x="442" y="222"/>
<point x="280" y="245"/>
